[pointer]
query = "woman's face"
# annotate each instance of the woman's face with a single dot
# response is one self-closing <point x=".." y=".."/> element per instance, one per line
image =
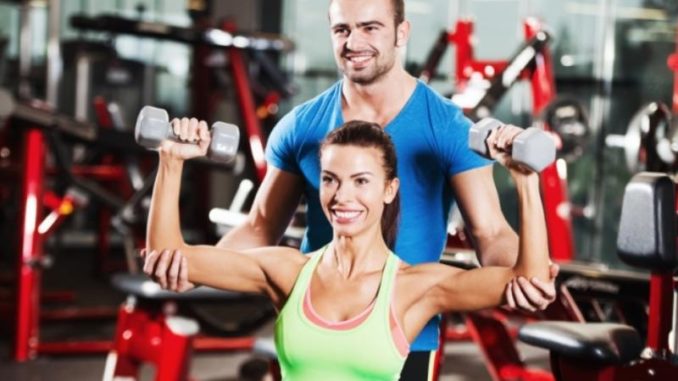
<point x="353" y="188"/>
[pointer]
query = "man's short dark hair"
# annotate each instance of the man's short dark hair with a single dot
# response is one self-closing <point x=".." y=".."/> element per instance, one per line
<point x="398" y="11"/>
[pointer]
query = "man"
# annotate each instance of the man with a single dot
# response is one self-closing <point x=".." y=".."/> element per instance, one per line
<point x="435" y="164"/>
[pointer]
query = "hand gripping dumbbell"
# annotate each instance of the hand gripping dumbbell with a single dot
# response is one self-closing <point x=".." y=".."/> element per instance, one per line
<point x="532" y="148"/>
<point x="153" y="127"/>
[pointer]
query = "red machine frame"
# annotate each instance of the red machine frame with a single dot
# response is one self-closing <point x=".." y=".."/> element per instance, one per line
<point x="488" y="329"/>
<point x="27" y="344"/>
<point x="542" y="82"/>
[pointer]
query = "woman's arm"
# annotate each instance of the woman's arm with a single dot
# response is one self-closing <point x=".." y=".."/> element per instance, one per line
<point x="236" y="271"/>
<point x="455" y="289"/>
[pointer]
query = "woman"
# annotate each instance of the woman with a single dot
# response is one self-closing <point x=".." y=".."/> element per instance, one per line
<point x="349" y="310"/>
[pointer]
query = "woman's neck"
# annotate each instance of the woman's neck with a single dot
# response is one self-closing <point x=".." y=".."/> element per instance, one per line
<point x="354" y="255"/>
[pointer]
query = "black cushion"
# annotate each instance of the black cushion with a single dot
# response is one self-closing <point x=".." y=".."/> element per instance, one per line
<point x="647" y="228"/>
<point x="141" y="286"/>
<point x="605" y="343"/>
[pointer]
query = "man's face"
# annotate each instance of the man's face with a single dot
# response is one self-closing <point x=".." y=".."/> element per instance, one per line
<point x="364" y="38"/>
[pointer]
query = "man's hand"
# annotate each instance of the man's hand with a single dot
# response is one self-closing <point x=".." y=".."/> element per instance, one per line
<point x="167" y="268"/>
<point x="533" y="295"/>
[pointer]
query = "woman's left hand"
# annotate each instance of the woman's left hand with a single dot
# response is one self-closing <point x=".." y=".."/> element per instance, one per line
<point x="168" y="268"/>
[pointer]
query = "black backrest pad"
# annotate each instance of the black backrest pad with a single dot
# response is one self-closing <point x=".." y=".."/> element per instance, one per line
<point x="647" y="228"/>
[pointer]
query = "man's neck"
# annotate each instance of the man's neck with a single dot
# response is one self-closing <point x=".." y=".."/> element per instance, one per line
<point x="377" y="102"/>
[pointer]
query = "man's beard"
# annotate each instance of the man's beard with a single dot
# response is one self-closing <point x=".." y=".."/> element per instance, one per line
<point x="368" y="75"/>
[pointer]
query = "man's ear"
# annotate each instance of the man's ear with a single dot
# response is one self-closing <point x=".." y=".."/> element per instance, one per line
<point x="402" y="33"/>
<point x="391" y="190"/>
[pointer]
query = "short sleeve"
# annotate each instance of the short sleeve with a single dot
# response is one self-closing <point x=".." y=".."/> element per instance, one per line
<point x="453" y="144"/>
<point x="281" y="147"/>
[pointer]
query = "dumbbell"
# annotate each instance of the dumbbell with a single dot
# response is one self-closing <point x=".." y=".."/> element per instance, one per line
<point x="532" y="148"/>
<point x="153" y="127"/>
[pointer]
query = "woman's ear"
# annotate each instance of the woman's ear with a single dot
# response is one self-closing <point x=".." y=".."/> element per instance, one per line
<point x="391" y="190"/>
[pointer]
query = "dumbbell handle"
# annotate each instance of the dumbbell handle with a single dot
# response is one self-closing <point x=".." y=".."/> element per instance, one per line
<point x="532" y="148"/>
<point x="615" y="141"/>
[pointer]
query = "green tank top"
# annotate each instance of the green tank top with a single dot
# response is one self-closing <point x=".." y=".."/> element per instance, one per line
<point x="309" y="352"/>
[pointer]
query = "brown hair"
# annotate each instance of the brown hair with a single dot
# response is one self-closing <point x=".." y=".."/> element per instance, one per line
<point x="370" y="135"/>
<point x="398" y="11"/>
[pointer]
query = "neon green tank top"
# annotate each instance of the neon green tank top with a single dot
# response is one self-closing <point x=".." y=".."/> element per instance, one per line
<point x="309" y="352"/>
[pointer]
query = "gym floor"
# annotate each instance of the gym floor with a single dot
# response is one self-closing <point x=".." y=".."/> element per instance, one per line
<point x="72" y="270"/>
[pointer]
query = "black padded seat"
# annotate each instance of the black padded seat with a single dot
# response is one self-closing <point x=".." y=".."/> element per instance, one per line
<point x="605" y="343"/>
<point x="141" y="286"/>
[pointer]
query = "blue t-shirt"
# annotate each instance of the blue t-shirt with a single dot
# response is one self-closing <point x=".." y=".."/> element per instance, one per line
<point x="430" y="135"/>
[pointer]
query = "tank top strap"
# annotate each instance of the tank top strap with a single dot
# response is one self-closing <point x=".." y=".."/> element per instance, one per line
<point x="304" y="278"/>
<point x="383" y="301"/>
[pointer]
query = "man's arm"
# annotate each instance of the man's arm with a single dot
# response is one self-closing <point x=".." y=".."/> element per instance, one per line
<point x="495" y="241"/>
<point x="272" y="210"/>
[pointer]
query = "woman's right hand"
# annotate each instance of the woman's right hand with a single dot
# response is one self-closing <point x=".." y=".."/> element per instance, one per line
<point x="192" y="139"/>
<point x="168" y="268"/>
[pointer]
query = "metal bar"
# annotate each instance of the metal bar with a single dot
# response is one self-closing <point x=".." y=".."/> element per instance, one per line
<point x="75" y="347"/>
<point x="25" y="53"/>
<point x="253" y="128"/>
<point x="553" y="179"/>
<point x="659" y="317"/>
<point x="54" y="62"/>
<point x="30" y="248"/>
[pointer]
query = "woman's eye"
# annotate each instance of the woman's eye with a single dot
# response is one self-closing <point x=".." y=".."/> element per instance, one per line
<point x="362" y="181"/>
<point x="327" y="179"/>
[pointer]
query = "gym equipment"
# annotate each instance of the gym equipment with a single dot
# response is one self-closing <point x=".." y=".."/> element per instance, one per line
<point x="532" y="148"/>
<point x="153" y="127"/>
<point x="41" y="126"/>
<point x="532" y="61"/>
<point x="216" y="38"/>
<point x="206" y="41"/>
<point x="148" y="333"/>
<point x="144" y="319"/>
<point x="647" y="239"/>
<point x="569" y="122"/>
<point x="502" y="75"/>
<point x="648" y="143"/>
<point x="37" y="112"/>
<point x="226" y="219"/>
<point x="502" y="359"/>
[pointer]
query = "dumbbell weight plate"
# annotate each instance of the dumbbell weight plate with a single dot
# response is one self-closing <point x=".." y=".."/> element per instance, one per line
<point x="225" y="140"/>
<point x="479" y="133"/>
<point x="155" y="126"/>
<point x="645" y="136"/>
<point x="536" y="149"/>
